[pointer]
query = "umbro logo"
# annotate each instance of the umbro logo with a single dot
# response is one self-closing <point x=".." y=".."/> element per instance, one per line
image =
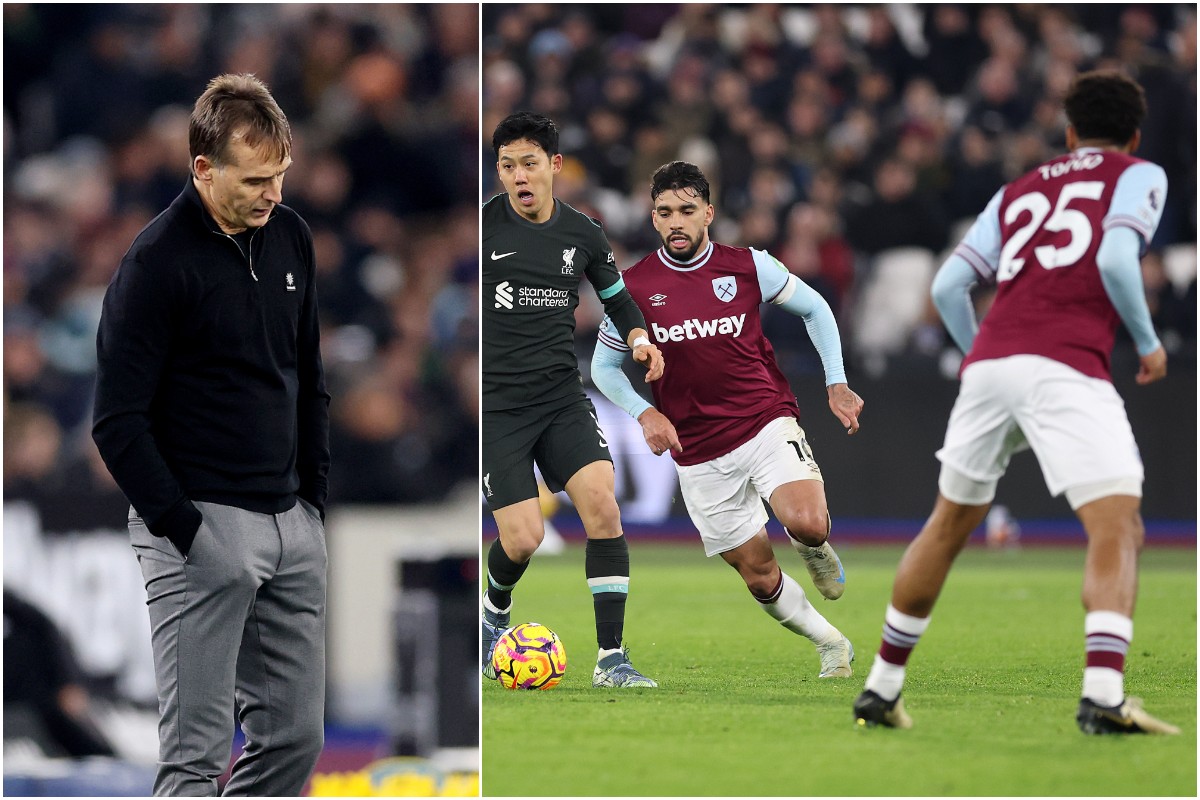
<point x="658" y="299"/>
<point x="496" y="257"/>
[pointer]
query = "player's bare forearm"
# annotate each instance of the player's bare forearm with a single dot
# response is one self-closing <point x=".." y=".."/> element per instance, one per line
<point x="846" y="405"/>
<point x="658" y="431"/>
<point x="1153" y="367"/>
<point x="646" y="353"/>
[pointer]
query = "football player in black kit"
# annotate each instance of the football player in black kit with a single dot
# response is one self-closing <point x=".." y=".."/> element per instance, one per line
<point x="536" y="249"/>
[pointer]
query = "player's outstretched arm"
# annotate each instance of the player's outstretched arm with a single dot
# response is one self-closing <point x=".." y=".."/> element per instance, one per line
<point x="846" y="405"/>
<point x="798" y="298"/>
<point x="613" y="383"/>
<point x="658" y="432"/>
<point x="801" y="299"/>
<point x="623" y="315"/>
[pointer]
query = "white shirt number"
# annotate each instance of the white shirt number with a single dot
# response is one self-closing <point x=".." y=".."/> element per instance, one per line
<point x="1063" y="219"/>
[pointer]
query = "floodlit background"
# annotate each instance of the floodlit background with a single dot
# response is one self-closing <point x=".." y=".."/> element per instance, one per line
<point x="383" y="103"/>
<point x="857" y="143"/>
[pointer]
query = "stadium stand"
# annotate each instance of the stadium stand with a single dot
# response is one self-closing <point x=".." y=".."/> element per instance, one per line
<point x="898" y="120"/>
<point x="832" y="135"/>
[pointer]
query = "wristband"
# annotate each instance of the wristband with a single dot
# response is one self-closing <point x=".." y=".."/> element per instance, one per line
<point x="641" y="340"/>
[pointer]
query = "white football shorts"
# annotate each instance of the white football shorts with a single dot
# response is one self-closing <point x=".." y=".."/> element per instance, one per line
<point x="1075" y="424"/>
<point x="724" y="497"/>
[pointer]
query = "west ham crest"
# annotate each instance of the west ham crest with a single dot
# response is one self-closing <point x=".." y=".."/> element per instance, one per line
<point x="725" y="288"/>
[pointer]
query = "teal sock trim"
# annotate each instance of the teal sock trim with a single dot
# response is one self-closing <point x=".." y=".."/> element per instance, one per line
<point x="623" y="588"/>
<point x="500" y="587"/>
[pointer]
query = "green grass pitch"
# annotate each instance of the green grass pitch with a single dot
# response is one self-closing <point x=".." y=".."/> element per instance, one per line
<point x="992" y="687"/>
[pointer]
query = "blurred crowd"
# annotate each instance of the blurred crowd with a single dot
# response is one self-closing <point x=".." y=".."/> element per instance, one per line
<point x="855" y="142"/>
<point x="383" y="104"/>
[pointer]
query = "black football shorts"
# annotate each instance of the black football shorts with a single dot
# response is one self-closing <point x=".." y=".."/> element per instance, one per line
<point x="561" y="438"/>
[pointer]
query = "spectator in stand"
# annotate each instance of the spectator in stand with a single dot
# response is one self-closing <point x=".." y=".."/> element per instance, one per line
<point x="815" y="251"/>
<point x="32" y="440"/>
<point x="45" y="700"/>
<point x="1000" y="106"/>
<point x="976" y="169"/>
<point x="897" y="215"/>
<point x="954" y="47"/>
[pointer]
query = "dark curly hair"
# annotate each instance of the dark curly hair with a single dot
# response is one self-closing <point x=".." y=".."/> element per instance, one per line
<point x="1107" y="106"/>
<point x="678" y="176"/>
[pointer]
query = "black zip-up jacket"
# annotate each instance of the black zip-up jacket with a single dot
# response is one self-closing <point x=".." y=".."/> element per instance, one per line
<point x="210" y="385"/>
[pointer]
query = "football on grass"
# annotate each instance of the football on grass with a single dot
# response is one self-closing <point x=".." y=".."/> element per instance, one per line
<point x="529" y="656"/>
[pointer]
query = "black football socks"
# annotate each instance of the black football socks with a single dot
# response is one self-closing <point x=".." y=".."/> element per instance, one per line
<point x="503" y="574"/>
<point x="606" y="564"/>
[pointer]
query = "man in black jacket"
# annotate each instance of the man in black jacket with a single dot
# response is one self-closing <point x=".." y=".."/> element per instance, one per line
<point x="212" y="415"/>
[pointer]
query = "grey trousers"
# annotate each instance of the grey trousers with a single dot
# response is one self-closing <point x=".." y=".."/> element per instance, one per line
<point x="240" y="621"/>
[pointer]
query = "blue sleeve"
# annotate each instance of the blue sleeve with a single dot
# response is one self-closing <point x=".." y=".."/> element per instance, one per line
<point x="610" y="379"/>
<point x="1121" y="274"/>
<point x="951" y="292"/>
<point x="1138" y="200"/>
<point x="802" y="300"/>
<point x="609" y="335"/>
<point x="980" y="248"/>
<point x="772" y="274"/>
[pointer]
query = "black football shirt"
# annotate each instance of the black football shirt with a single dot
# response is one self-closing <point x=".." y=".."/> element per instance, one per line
<point x="531" y="275"/>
